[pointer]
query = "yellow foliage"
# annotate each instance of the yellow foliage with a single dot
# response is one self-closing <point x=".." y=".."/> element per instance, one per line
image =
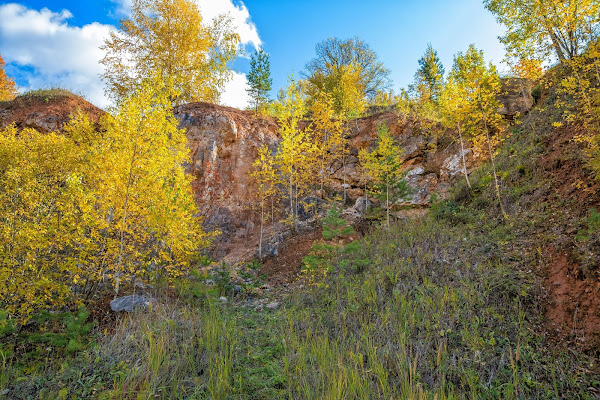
<point x="41" y="203"/>
<point x="8" y="89"/>
<point x="170" y="38"/>
<point x="265" y="173"/>
<point x="527" y="68"/>
<point x="328" y="137"/>
<point x="295" y="159"/>
<point x="581" y="101"/>
<point x="383" y="167"/>
<point x="538" y="28"/>
<point x="345" y="87"/>
<point x="92" y="204"/>
<point x="470" y="103"/>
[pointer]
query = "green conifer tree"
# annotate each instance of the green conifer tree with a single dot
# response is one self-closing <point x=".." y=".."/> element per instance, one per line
<point x="259" y="78"/>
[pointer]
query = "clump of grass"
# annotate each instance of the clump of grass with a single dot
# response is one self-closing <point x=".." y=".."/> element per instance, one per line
<point x="192" y="347"/>
<point x="45" y="96"/>
<point x="47" y="339"/>
<point x="436" y="314"/>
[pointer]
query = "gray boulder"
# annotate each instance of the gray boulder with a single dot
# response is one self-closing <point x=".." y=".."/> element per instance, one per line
<point x="363" y="204"/>
<point x="130" y="303"/>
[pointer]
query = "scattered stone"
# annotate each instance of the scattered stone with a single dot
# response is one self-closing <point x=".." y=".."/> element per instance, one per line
<point x="273" y="305"/>
<point x="415" y="171"/>
<point x="139" y="284"/>
<point x="223" y="299"/>
<point x="309" y="207"/>
<point x="362" y="204"/>
<point x="237" y="289"/>
<point x="130" y="303"/>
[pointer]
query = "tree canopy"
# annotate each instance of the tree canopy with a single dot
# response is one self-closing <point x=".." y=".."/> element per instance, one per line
<point x="430" y="76"/>
<point x="95" y="205"/>
<point x="470" y="100"/>
<point x="259" y="77"/>
<point x="383" y="165"/>
<point x="171" y="38"/>
<point x="335" y="56"/>
<point x="538" y="28"/>
<point x="8" y="88"/>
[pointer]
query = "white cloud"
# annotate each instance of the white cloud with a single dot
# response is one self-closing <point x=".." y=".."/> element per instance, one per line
<point x="235" y="94"/>
<point x="51" y="53"/>
<point x="123" y="7"/>
<point x="240" y="17"/>
<point x="54" y="53"/>
<point x="242" y="22"/>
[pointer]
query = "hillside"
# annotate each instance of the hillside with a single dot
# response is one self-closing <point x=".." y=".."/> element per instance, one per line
<point x="340" y="237"/>
<point x="451" y="302"/>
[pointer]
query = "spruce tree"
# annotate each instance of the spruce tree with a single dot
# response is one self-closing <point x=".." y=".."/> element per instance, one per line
<point x="430" y="74"/>
<point x="259" y="77"/>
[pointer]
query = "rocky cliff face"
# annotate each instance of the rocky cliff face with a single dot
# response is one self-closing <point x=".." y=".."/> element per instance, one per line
<point x="224" y="143"/>
<point x="45" y="112"/>
<point x="515" y="97"/>
<point x="431" y="163"/>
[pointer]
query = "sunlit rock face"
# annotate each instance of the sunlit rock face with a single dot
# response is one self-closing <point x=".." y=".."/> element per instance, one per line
<point x="515" y="97"/>
<point x="45" y="113"/>
<point x="431" y="163"/>
<point x="224" y="143"/>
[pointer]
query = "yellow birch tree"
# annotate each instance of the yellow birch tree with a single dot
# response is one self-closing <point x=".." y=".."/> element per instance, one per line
<point x="328" y="138"/>
<point x="296" y="150"/>
<point x="383" y="165"/>
<point x="170" y="37"/>
<point x="265" y="174"/>
<point x="536" y="29"/>
<point x="8" y="88"/>
<point x="475" y="88"/>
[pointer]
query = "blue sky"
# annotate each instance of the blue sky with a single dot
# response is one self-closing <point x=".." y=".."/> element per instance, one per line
<point x="58" y="46"/>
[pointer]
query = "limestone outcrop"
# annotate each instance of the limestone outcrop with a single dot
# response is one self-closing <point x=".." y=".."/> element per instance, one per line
<point x="515" y="97"/>
<point x="224" y="143"/>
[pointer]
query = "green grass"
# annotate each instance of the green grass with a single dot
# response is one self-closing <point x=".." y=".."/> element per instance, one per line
<point x="438" y="312"/>
<point x="45" y="95"/>
<point x="445" y="307"/>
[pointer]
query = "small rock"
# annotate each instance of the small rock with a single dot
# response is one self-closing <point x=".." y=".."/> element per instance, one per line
<point x="273" y="305"/>
<point x="223" y="299"/>
<point x="415" y="171"/>
<point x="362" y="204"/>
<point x="237" y="289"/>
<point x="130" y="303"/>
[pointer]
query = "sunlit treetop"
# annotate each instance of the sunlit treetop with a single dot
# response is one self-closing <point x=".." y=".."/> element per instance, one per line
<point x="170" y="37"/>
<point x="545" y="29"/>
<point x="8" y="88"/>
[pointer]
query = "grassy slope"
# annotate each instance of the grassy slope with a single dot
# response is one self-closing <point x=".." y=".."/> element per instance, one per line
<point x="450" y="307"/>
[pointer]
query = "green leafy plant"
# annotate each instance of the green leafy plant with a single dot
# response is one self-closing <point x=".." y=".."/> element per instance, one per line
<point x="319" y="261"/>
<point x="592" y="223"/>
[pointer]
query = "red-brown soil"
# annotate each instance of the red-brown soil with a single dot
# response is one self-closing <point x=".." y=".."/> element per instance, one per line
<point x="286" y="266"/>
<point x="573" y="296"/>
<point x="45" y="112"/>
<point x="574" y="302"/>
